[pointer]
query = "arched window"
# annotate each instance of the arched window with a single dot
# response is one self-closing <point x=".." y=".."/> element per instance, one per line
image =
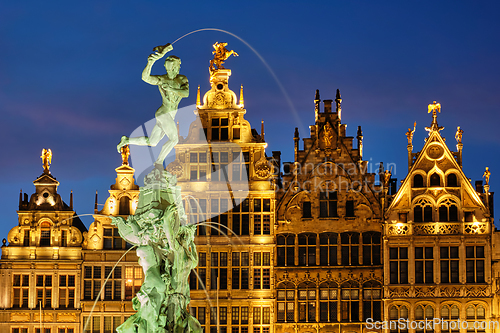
<point x="307" y="249"/>
<point x="372" y="304"/>
<point x="349" y="301"/>
<point x="422" y="211"/>
<point x="286" y="250"/>
<point x="286" y="302"/>
<point x="124" y="206"/>
<point x="448" y="211"/>
<point x="423" y="313"/>
<point x="451" y="180"/>
<point x="435" y="180"/>
<point x="418" y="181"/>
<point x="328" y="249"/>
<point x="371" y="248"/>
<point x="449" y="316"/>
<point x="307" y="302"/>
<point x="328" y="302"/>
<point x="395" y="313"/>
<point x="350" y="248"/>
<point x="475" y="315"/>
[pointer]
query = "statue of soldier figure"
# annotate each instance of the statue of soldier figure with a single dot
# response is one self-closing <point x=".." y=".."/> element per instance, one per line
<point x="173" y="87"/>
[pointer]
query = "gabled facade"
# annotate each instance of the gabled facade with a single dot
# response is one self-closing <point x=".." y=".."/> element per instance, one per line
<point x="438" y="230"/>
<point x="226" y="181"/>
<point x="328" y="232"/>
<point x="41" y="264"/>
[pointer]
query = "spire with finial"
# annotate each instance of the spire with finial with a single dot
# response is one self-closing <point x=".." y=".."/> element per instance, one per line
<point x="242" y="101"/>
<point x="317" y="101"/>
<point x="95" y="204"/>
<point x="71" y="200"/>
<point x="434" y="108"/>
<point x="198" y="101"/>
<point x="360" y="142"/>
<point x="296" y="144"/>
<point x="338" y="101"/>
<point x="262" y="130"/>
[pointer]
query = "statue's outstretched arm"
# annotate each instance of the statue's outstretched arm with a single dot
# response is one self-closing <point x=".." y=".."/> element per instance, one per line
<point x="128" y="231"/>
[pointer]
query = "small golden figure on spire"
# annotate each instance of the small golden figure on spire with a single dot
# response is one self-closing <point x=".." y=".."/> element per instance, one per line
<point x="458" y="135"/>
<point x="220" y="55"/>
<point x="409" y="134"/>
<point x="434" y="125"/>
<point x="387" y="177"/>
<point x="125" y="151"/>
<point x="486" y="176"/>
<point x="46" y="160"/>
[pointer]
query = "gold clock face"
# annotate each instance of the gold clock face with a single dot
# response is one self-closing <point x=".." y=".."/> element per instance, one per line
<point x="435" y="152"/>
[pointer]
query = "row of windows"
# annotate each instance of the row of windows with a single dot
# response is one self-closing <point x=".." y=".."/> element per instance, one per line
<point x="237" y="317"/>
<point x="435" y="181"/>
<point x="230" y="222"/>
<point x="335" y="303"/>
<point x="43" y="290"/>
<point x="219" y="166"/>
<point x="449" y="314"/>
<point x="423" y="211"/>
<point x="333" y="249"/>
<point x="94" y="277"/>
<point x="239" y="272"/>
<point x="45" y="237"/>
<point x="449" y="263"/>
<point x="328" y="206"/>
<point x="44" y="330"/>
<point x="97" y="324"/>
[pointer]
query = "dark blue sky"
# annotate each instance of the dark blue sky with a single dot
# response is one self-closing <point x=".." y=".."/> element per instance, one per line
<point x="70" y="78"/>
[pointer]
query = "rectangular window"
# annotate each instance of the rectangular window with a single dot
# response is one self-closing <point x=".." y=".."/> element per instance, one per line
<point x="449" y="264"/>
<point x="328" y="204"/>
<point x="67" y="291"/>
<point x="241" y="218"/>
<point x="45" y="237"/>
<point x="112" y="239"/>
<point x="26" y="241"/>
<point x="424" y="261"/>
<point x="306" y="209"/>
<point x="133" y="281"/>
<point x="218" y="271"/>
<point x="398" y="263"/>
<point x="474" y="264"/>
<point x="20" y="290"/>
<point x="44" y="291"/>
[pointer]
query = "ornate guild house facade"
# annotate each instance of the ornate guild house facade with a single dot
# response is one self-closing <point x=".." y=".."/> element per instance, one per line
<point x="324" y="245"/>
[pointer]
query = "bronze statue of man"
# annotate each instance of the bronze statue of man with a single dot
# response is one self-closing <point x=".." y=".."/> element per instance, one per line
<point x="173" y="87"/>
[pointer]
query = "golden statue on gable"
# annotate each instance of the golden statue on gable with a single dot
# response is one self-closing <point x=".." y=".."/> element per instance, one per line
<point x="220" y="55"/>
<point x="125" y="151"/>
<point x="46" y="159"/>
<point x="328" y="136"/>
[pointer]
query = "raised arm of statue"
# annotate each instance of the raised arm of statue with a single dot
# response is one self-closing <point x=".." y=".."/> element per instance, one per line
<point x="158" y="53"/>
<point x="128" y="231"/>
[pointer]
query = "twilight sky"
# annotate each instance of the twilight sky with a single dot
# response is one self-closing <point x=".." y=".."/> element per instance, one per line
<point x="70" y="78"/>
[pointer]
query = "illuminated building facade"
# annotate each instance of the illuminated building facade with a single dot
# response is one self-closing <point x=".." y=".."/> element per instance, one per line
<point x="439" y="236"/>
<point x="321" y="247"/>
<point x="328" y="232"/>
<point x="226" y="178"/>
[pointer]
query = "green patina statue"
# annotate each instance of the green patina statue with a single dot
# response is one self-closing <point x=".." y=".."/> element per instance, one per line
<point x="173" y="87"/>
<point x="167" y="254"/>
<point x="159" y="229"/>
